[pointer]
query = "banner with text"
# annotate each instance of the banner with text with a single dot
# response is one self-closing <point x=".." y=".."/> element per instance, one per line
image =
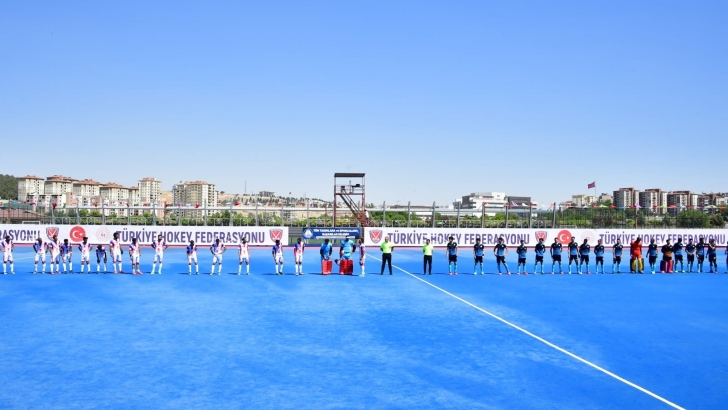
<point x="174" y="235"/>
<point x="330" y="233"/>
<point x="468" y="236"/>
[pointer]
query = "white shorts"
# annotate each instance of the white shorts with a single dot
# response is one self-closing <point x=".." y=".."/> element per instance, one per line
<point x="158" y="257"/>
<point x="362" y="260"/>
<point x="190" y="259"/>
<point x="134" y="259"/>
<point x="55" y="258"/>
<point x="244" y="259"/>
<point x="85" y="258"/>
<point x="216" y="259"/>
<point x="299" y="258"/>
<point x="279" y="260"/>
<point x="115" y="257"/>
<point x="41" y="257"/>
<point x="7" y="257"/>
<point x="66" y="257"/>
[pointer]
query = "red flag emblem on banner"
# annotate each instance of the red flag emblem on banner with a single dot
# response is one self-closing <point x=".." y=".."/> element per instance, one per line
<point x="541" y="235"/>
<point x="276" y="234"/>
<point x="375" y="235"/>
<point x="50" y="231"/>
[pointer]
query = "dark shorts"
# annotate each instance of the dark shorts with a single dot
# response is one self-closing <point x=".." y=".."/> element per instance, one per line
<point x="701" y="258"/>
<point x="678" y="258"/>
<point x="539" y="259"/>
<point x="500" y="259"/>
<point x="712" y="259"/>
<point x="574" y="258"/>
<point x="556" y="258"/>
<point x="452" y="258"/>
<point x="652" y="259"/>
<point x="521" y="261"/>
<point x="478" y="259"/>
<point x="617" y="259"/>
<point x="585" y="258"/>
<point x="691" y="258"/>
<point x="600" y="259"/>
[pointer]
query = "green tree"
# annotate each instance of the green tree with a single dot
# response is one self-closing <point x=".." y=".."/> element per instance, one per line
<point x="717" y="220"/>
<point x="8" y="187"/>
<point x="692" y="218"/>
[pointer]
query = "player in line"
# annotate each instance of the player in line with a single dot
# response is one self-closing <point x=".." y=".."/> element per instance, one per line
<point x="677" y="249"/>
<point x="617" y="251"/>
<point x="40" y="249"/>
<point x="478" y="252"/>
<point x="135" y="253"/>
<point x="159" y="245"/>
<point x="85" y="248"/>
<point x="244" y="256"/>
<point x="100" y="255"/>
<point x="713" y="256"/>
<point x="573" y="253"/>
<point x="690" y="251"/>
<point x="362" y="256"/>
<point x="348" y="247"/>
<point x="298" y="249"/>
<point x="666" y="266"/>
<point x="540" y="251"/>
<point x="556" y="248"/>
<point x="599" y="256"/>
<point x="700" y="253"/>
<point x="67" y="256"/>
<point x="55" y="248"/>
<point x="452" y="256"/>
<point x="192" y="256"/>
<point x="500" y="250"/>
<point x="652" y="255"/>
<point x="116" y="252"/>
<point x="7" y="248"/>
<point x="521" y="252"/>
<point x="277" y="252"/>
<point x="584" y="250"/>
<point x="217" y="249"/>
<point x="325" y="252"/>
<point x="427" y="249"/>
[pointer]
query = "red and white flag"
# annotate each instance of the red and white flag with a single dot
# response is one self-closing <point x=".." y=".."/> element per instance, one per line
<point x="592" y="185"/>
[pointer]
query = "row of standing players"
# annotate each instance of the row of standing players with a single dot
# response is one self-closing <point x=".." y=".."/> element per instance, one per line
<point x="579" y="256"/>
<point x="61" y="255"/>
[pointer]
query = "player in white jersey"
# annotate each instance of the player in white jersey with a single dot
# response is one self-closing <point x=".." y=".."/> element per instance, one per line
<point x="159" y="246"/>
<point x="116" y="252"/>
<point x="55" y="247"/>
<point x="100" y="256"/>
<point x="244" y="256"/>
<point x="362" y="256"/>
<point x="278" y="256"/>
<point x="85" y="248"/>
<point x="298" y="249"/>
<point x="40" y="249"/>
<point x="66" y="255"/>
<point x="135" y="253"/>
<point x="7" y="248"/>
<point x="192" y="256"/>
<point x="217" y="249"/>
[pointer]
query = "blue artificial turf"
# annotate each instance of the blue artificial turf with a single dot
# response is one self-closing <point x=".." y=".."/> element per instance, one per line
<point x="262" y="341"/>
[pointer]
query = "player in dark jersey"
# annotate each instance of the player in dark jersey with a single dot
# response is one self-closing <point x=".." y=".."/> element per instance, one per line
<point x="573" y="253"/>
<point x="690" y="251"/>
<point x="584" y="250"/>
<point x="700" y="253"/>
<point x="540" y="251"/>
<point x="666" y="257"/>
<point x="677" y="251"/>
<point x="452" y="256"/>
<point x="500" y="251"/>
<point x="521" y="252"/>
<point x="478" y="251"/>
<point x="713" y="256"/>
<point x="599" y="256"/>
<point x="652" y="255"/>
<point x="617" y="251"/>
<point x="556" y="256"/>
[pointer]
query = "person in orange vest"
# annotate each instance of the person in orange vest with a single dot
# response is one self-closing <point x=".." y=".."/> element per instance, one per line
<point x="637" y="264"/>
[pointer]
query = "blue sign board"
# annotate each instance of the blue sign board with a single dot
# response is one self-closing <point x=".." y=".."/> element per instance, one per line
<point x="330" y="233"/>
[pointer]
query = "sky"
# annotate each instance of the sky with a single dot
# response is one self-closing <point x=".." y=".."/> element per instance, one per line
<point x="432" y="100"/>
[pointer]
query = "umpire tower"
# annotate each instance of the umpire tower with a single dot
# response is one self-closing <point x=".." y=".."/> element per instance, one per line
<point x="349" y="189"/>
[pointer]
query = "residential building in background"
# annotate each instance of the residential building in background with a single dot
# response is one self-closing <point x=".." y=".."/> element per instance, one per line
<point x="682" y="199"/>
<point x="114" y="192"/>
<point x="605" y="197"/>
<point x="30" y="187"/>
<point x="86" y="187"/>
<point x="193" y="197"/>
<point x="582" y="200"/>
<point x="654" y="199"/>
<point x="626" y="197"/>
<point x="492" y="202"/>
<point x="135" y="196"/>
<point x="150" y="190"/>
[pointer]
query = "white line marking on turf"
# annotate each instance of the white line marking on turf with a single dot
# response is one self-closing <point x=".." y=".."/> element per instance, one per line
<point x="542" y="340"/>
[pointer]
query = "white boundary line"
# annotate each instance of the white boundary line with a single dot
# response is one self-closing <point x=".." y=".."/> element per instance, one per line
<point x="542" y="340"/>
